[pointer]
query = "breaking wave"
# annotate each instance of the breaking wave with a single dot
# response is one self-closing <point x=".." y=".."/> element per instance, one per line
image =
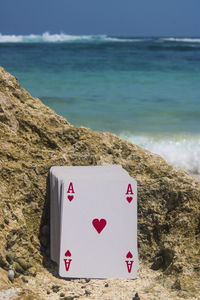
<point x="46" y="37"/>
<point x="183" y="40"/>
<point x="62" y="37"/>
<point x="180" y="151"/>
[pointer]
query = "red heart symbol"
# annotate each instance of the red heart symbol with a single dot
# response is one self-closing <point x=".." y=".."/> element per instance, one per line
<point x="68" y="253"/>
<point x="129" y="255"/>
<point x="129" y="199"/>
<point x="99" y="224"/>
<point x="70" y="198"/>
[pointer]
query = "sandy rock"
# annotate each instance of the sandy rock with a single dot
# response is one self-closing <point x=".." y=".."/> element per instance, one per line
<point x="33" y="138"/>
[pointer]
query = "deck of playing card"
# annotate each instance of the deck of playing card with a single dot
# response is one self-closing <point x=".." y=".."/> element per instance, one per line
<point x="94" y="222"/>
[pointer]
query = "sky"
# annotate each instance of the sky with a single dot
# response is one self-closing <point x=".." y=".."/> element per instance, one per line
<point x="111" y="17"/>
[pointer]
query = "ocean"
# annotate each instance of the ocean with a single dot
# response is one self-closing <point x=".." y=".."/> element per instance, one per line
<point x="145" y="90"/>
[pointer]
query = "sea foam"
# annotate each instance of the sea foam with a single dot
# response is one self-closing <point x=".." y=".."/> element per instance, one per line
<point x="62" y="37"/>
<point x="184" y="40"/>
<point x="180" y="151"/>
<point x="10" y="38"/>
<point x="47" y="37"/>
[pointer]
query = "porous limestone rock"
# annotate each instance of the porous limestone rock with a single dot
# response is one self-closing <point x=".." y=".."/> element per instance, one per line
<point x="32" y="139"/>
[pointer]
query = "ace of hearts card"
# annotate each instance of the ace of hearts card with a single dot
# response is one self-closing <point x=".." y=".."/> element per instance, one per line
<point x="98" y="227"/>
<point x="67" y="173"/>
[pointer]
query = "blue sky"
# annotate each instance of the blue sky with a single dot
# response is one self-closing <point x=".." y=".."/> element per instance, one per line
<point x="112" y="17"/>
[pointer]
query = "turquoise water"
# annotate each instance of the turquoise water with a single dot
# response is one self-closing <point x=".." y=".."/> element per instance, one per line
<point x="146" y="90"/>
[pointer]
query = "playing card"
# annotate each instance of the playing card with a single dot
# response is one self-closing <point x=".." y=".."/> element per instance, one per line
<point x="98" y="227"/>
<point x="67" y="173"/>
<point x="56" y="174"/>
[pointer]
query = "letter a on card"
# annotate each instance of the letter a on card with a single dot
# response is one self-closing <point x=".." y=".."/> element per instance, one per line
<point x="129" y="190"/>
<point x="67" y="260"/>
<point x="70" y="191"/>
<point x="129" y="265"/>
<point x="70" y="188"/>
<point x="128" y="193"/>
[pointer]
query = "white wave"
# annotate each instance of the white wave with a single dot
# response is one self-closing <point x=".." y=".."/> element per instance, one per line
<point x="10" y="38"/>
<point x="112" y="39"/>
<point x="62" y="37"/>
<point x="184" y="40"/>
<point x="180" y="151"/>
<point x="45" y="37"/>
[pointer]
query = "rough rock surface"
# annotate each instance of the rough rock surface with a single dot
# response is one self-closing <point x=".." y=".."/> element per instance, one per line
<point x="32" y="139"/>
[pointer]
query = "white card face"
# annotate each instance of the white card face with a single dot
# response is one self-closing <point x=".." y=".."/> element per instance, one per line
<point x="70" y="173"/>
<point x="99" y="228"/>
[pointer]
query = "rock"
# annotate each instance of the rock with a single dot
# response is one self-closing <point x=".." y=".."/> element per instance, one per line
<point x="87" y="293"/>
<point x="6" y="221"/>
<point x="62" y="295"/>
<point x="158" y="263"/>
<point x="2" y="261"/>
<point x="24" y="264"/>
<point x="106" y="285"/>
<point x="55" y="288"/>
<point x="176" y="285"/>
<point x="10" y="244"/>
<point x="18" y="268"/>
<point x="34" y="206"/>
<point x="25" y="280"/>
<point x="32" y="272"/>
<point x="33" y="138"/>
<point x="136" y="297"/>
<point x="10" y="257"/>
<point x="11" y="273"/>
